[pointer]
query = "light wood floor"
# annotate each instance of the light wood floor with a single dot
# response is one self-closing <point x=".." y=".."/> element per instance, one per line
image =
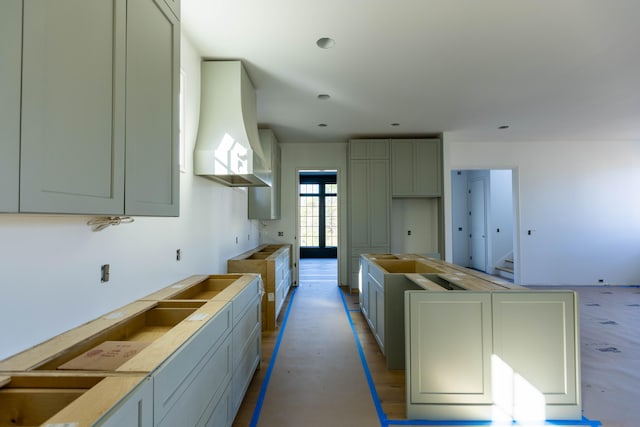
<point x="389" y="384"/>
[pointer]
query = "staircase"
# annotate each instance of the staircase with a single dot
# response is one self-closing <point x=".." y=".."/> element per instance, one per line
<point x="505" y="268"/>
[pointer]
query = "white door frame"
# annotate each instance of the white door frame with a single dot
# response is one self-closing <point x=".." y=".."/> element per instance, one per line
<point x="341" y="201"/>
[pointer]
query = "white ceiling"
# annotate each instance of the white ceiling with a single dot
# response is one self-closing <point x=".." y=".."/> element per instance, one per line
<point x="550" y="69"/>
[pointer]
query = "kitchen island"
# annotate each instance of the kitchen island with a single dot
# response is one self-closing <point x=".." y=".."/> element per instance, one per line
<point x="475" y="347"/>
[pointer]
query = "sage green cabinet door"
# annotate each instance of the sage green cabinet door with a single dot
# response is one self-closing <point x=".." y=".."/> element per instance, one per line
<point x="10" y="51"/>
<point x="449" y="345"/>
<point x="534" y="334"/>
<point x="174" y="5"/>
<point x="72" y="142"/>
<point x="379" y="203"/>
<point x="153" y="69"/>
<point x="428" y="167"/>
<point x="402" y="173"/>
<point x="369" y="200"/>
<point x="369" y="149"/>
<point x="359" y="203"/>
<point x="416" y="168"/>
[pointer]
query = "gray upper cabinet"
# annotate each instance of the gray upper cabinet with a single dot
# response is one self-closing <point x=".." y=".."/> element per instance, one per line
<point x="264" y="202"/>
<point x="152" y="116"/>
<point x="416" y="167"/>
<point x="10" y="46"/>
<point x="369" y="149"/>
<point x="99" y="85"/>
<point x="72" y="143"/>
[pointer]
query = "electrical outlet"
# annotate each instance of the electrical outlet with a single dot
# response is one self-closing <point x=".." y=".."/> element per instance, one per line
<point x="280" y="233"/>
<point x="236" y="240"/>
<point x="104" y="273"/>
<point x="178" y="254"/>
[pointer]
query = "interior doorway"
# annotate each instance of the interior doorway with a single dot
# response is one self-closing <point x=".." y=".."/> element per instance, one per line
<point x="484" y="219"/>
<point x="318" y="214"/>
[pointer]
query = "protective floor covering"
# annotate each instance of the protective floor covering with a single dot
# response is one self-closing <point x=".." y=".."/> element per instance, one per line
<point x="317" y="378"/>
<point x="610" y="352"/>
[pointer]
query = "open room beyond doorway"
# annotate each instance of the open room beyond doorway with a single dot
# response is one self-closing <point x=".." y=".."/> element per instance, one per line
<point x="484" y="221"/>
<point x="318" y="214"/>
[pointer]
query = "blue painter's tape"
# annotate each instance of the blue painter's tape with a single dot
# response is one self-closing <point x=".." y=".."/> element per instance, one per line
<point x="374" y="394"/>
<point x="583" y="422"/>
<point x="385" y="422"/>
<point x="267" y="376"/>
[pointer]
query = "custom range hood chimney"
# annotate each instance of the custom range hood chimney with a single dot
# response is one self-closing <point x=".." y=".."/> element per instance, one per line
<point x="228" y="147"/>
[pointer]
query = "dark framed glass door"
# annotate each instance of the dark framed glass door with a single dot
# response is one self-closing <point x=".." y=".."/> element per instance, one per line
<point x="318" y="194"/>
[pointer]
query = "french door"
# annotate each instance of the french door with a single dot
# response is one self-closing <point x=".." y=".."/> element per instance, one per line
<point x="318" y="195"/>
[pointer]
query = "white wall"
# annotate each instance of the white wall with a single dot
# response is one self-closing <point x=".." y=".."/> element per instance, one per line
<point x="579" y="198"/>
<point x="500" y="216"/>
<point x="50" y="265"/>
<point x="309" y="156"/>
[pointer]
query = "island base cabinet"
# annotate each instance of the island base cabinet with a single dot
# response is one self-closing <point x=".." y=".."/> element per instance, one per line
<point x="449" y="351"/>
<point x="492" y="355"/>
<point x="536" y="346"/>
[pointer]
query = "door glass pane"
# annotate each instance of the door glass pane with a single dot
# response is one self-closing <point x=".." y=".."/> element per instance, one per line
<point x="331" y="220"/>
<point x="309" y="217"/>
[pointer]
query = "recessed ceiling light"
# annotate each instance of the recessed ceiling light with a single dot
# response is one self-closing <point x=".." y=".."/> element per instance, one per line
<point x="395" y="124"/>
<point x="324" y="96"/>
<point x="322" y="125"/>
<point x="503" y="127"/>
<point x="326" y="43"/>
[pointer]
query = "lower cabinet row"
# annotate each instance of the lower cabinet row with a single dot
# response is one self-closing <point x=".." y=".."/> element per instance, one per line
<point x="202" y="383"/>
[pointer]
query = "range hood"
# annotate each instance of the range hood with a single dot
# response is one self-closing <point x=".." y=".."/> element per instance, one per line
<point x="228" y="147"/>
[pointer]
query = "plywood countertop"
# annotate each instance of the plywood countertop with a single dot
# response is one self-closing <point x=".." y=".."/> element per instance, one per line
<point x="43" y="352"/>
<point x="176" y="320"/>
<point x="96" y="402"/>
<point x="413" y="265"/>
<point x="160" y="350"/>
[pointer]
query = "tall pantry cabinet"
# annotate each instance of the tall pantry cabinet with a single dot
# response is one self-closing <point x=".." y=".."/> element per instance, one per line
<point x="99" y="111"/>
<point x="391" y="181"/>
<point x="369" y="200"/>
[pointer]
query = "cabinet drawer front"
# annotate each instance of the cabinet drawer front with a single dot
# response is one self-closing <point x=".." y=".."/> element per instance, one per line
<point x="248" y="362"/>
<point x="203" y="362"/>
<point x="221" y="415"/>
<point x="135" y="410"/>
<point x="245" y="299"/>
<point x="242" y="331"/>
